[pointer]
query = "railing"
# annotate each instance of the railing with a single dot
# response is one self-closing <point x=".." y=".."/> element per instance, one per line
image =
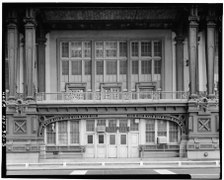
<point x="99" y="96"/>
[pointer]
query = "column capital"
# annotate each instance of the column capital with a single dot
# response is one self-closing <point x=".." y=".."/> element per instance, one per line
<point x="41" y="40"/>
<point x="179" y="39"/>
<point x="29" y="19"/>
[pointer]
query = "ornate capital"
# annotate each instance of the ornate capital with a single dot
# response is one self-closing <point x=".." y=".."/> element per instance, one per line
<point x="179" y="39"/>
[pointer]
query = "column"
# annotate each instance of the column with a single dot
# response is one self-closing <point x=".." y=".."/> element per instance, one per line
<point x="210" y="54"/>
<point x="41" y="62"/>
<point x="93" y="61"/>
<point x="193" y="51"/>
<point x="12" y="39"/>
<point x="129" y="73"/>
<point x="179" y="63"/>
<point x="30" y="55"/>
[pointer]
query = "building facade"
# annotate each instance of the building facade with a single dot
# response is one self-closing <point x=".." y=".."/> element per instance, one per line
<point x="118" y="81"/>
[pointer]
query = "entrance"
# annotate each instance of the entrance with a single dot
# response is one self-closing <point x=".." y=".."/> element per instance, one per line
<point x="112" y="146"/>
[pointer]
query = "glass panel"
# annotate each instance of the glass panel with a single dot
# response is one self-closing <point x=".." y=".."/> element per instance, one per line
<point x="90" y="124"/>
<point x="112" y="139"/>
<point x="146" y="49"/>
<point x="87" y="49"/>
<point x="150" y="131"/>
<point x="62" y="132"/>
<point x="111" y="67"/>
<point x="123" y="67"/>
<point x="101" y="122"/>
<point x="74" y="132"/>
<point x="76" y="49"/>
<point x="157" y="67"/>
<point x="88" y="67"/>
<point x="173" y="132"/>
<point x="65" y="67"/>
<point x="112" y="126"/>
<point x="99" y="67"/>
<point x="162" y="131"/>
<point x="101" y="139"/>
<point x="65" y="46"/>
<point x="134" y="67"/>
<point x="99" y="49"/>
<point x="76" y="67"/>
<point x="90" y="139"/>
<point x="123" y="139"/>
<point x="123" y="49"/>
<point x="111" y="48"/>
<point x="157" y="48"/>
<point x="146" y="66"/>
<point x="133" y="125"/>
<point x="134" y="49"/>
<point x="51" y="133"/>
<point x="123" y="124"/>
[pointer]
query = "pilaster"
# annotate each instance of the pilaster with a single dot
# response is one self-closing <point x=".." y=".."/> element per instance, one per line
<point x="41" y="62"/>
<point x="179" y="63"/>
<point x="193" y="51"/>
<point x="30" y="52"/>
<point x="12" y="32"/>
<point x="210" y="54"/>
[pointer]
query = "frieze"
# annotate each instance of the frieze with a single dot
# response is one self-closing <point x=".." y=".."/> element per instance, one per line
<point x="110" y="14"/>
<point x="180" y="120"/>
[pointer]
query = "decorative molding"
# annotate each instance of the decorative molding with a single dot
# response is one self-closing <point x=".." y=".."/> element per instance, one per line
<point x="204" y="124"/>
<point x="20" y="126"/>
<point x="44" y="121"/>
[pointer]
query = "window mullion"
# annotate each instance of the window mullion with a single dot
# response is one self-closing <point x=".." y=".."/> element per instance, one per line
<point x="56" y="133"/>
<point x="69" y="134"/>
<point x="156" y="131"/>
<point x="168" y="131"/>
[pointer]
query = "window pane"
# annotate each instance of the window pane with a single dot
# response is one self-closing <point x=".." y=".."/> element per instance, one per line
<point x="65" y="67"/>
<point x="111" y="67"/>
<point x="111" y="48"/>
<point x="150" y="137"/>
<point x="90" y="139"/>
<point x="51" y="133"/>
<point x="123" y="67"/>
<point x="88" y="67"/>
<point x="112" y="139"/>
<point x="76" y="49"/>
<point x="146" y="49"/>
<point x="146" y="66"/>
<point x="123" y="139"/>
<point x="134" y="49"/>
<point x="62" y="132"/>
<point x="123" y="124"/>
<point x="87" y="49"/>
<point x="90" y="124"/>
<point x="123" y="49"/>
<point x="134" y="67"/>
<point x="99" y="49"/>
<point x="157" y="48"/>
<point x="173" y="132"/>
<point x="157" y="67"/>
<point x="101" y="122"/>
<point x="99" y="67"/>
<point x="101" y="139"/>
<point x="150" y="125"/>
<point x="65" y="46"/>
<point x="74" y="132"/>
<point x="133" y="125"/>
<point x="76" y="67"/>
<point x="162" y="131"/>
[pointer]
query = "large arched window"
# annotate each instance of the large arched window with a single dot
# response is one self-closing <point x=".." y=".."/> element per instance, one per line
<point x="161" y="128"/>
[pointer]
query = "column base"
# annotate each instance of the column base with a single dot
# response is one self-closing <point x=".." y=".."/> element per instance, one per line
<point x="29" y="98"/>
<point x="11" y="98"/>
<point x="211" y="96"/>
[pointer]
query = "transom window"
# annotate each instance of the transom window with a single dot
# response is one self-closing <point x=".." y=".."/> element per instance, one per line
<point x="157" y="128"/>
